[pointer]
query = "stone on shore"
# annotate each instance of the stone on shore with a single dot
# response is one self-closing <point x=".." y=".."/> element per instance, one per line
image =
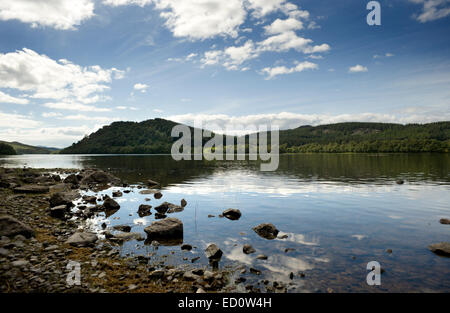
<point x="232" y="214"/>
<point x="59" y="211"/>
<point x="72" y="179"/>
<point x="213" y="252"/>
<point x="33" y="189"/>
<point x="62" y="198"/>
<point x="169" y="228"/>
<point x="94" y="176"/>
<point x="82" y="239"/>
<point x="442" y="248"/>
<point x="266" y="230"/>
<point x="10" y="227"/>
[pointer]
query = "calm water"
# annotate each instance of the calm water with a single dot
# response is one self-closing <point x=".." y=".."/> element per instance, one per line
<point x="340" y="212"/>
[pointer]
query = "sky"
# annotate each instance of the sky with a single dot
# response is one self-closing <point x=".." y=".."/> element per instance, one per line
<point x="69" y="67"/>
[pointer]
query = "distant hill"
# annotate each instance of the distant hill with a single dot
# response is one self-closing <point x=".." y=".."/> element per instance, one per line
<point x="6" y="149"/>
<point x="154" y="136"/>
<point x="21" y="148"/>
<point x="367" y="137"/>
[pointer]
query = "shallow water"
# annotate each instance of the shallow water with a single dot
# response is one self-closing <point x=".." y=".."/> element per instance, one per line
<point x="340" y="211"/>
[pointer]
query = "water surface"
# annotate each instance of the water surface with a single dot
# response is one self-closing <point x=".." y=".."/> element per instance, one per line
<point x="340" y="211"/>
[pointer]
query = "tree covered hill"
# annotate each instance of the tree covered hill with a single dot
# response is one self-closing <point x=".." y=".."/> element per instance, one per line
<point x="154" y="136"/>
<point x="21" y="148"/>
<point x="6" y="149"/>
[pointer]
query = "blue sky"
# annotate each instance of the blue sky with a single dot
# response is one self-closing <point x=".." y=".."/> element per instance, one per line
<point x="69" y="67"/>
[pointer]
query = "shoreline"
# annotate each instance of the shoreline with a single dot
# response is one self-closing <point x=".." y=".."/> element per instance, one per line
<point x="36" y="253"/>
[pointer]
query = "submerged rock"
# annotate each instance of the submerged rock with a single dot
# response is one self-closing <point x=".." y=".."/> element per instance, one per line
<point x="162" y="208"/>
<point x="186" y="247"/>
<point x="248" y="249"/>
<point x="261" y="257"/>
<point x="213" y="252"/>
<point x="117" y="194"/>
<point x="183" y="203"/>
<point x="444" y="221"/>
<point x="125" y="236"/>
<point x="167" y="228"/>
<point x="11" y="227"/>
<point x="157" y="195"/>
<point x="232" y="214"/>
<point x="152" y="183"/>
<point x="266" y="230"/>
<point x="111" y="204"/>
<point x="123" y="228"/>
<point x="82" y="239"/>
<point x="442" y="248"/>
<point x="400" y="181"/>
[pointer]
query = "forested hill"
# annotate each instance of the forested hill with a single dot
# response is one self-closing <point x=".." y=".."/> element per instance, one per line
<point x="367" y="137"/>
<point x="154" y="136"/>
<point x="21" y="148"/>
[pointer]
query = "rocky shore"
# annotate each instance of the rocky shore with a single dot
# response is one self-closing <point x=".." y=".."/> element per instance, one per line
<point x="42" y="232"/>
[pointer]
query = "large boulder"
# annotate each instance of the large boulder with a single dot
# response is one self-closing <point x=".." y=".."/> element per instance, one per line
<point x="62" y="198"/>
<point x="266" y="230"/>
<point x="232" y="214"/>
<point x="213" y="252"/>
<point x="442" y="248"/>
<point x="11" y="227"/>
<point x="33" y="189"/>
<point x="81" y="239"/>
<point x="111" y="204"/>
<point x="72" y="179"/>
<point x="169" y="228"/>
<point x="99" y="177"/>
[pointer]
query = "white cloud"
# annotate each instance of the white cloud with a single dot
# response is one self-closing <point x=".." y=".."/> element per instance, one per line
<point x="100" y="119"/>
<point x="60" y="81"/>
<point x="197" y="19"/>
<point x="282" y="70"/>
<point x="280" y="26"/>
<point x="288" y="120"/>
<point x="432" y="10"/>
<point x="264" y="7"/>
<point x="72" y="106"/>
<point x="59" y="14"/>
<point x="357" y="69"/>
<point x="5" y="98"/>
<point x="51" y="114"/>
<point x="141" y="87"/>
<point x="16" y="121"/>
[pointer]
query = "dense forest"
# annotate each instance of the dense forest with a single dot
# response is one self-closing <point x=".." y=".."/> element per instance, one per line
<point x="6" y="149"/>
<point x="154" y="136"/>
